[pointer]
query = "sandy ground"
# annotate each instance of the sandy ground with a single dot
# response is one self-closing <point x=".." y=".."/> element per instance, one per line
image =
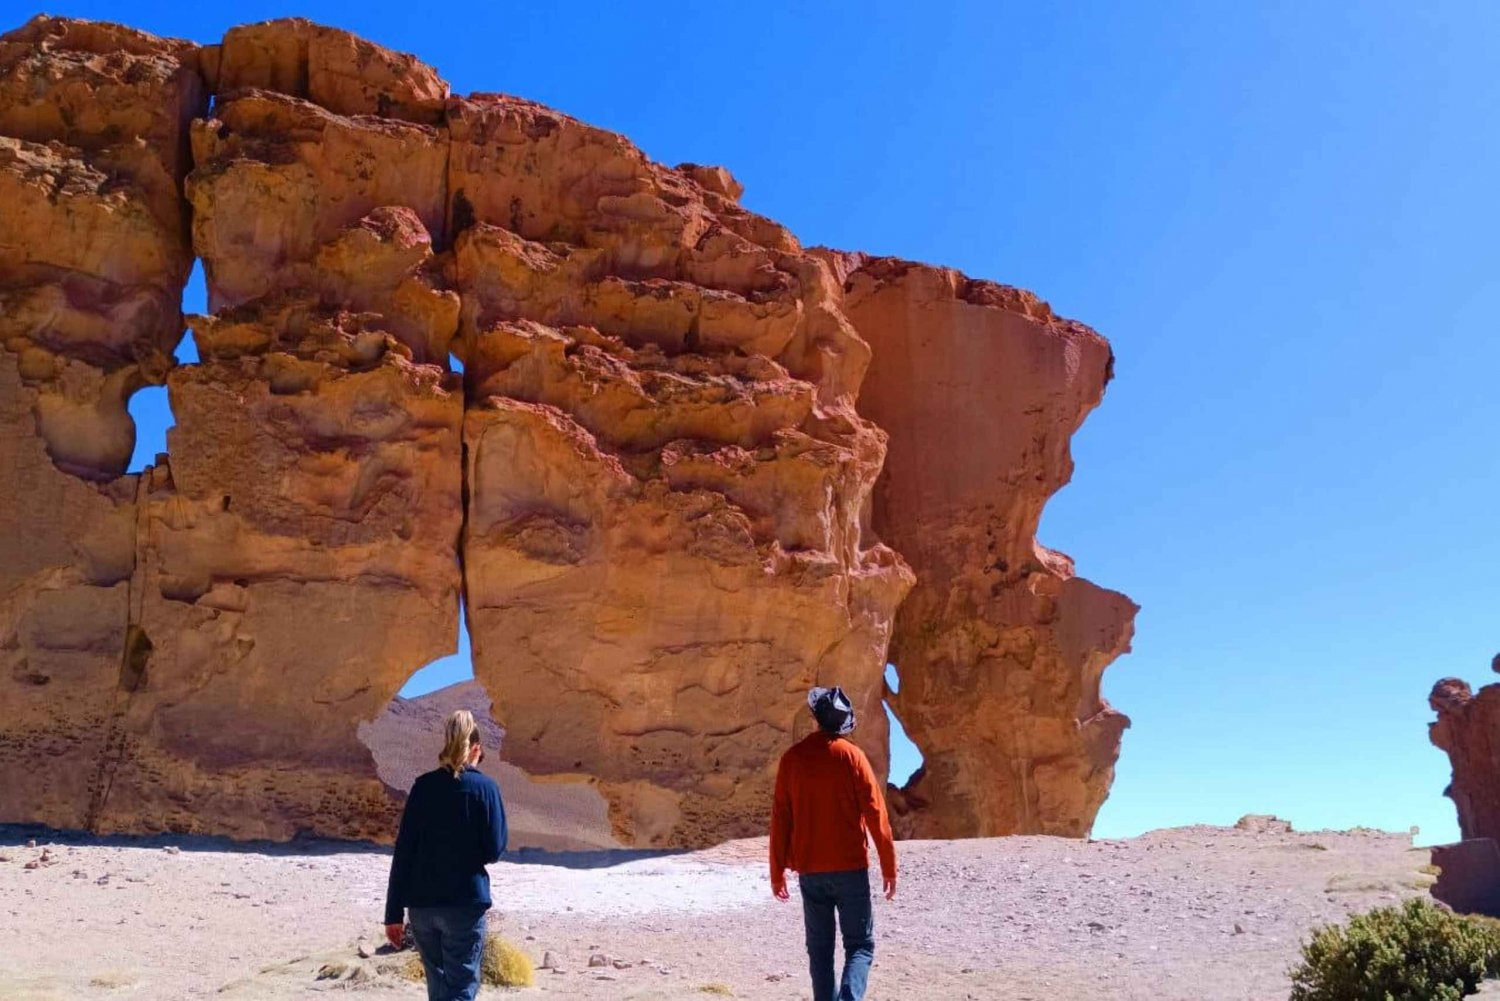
<point x="1192" y="913"/>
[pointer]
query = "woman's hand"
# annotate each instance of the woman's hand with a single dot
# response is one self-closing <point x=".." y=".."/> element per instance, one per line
<point x="396" y="935"/>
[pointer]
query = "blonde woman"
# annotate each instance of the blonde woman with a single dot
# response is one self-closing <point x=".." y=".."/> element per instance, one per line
<point x="453" y="826"/>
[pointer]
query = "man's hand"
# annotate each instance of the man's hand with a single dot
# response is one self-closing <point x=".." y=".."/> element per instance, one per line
<point x="395" y="934"/>
<point x="890" y="887"/>
<point x="778" y="887"/>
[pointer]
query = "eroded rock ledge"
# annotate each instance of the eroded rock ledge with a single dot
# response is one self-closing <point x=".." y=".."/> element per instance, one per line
<point x="657" y="482"/>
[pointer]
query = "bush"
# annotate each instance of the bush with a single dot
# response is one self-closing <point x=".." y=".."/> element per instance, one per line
<point x="1415" y="952"/>
<point x="502" y="965"/>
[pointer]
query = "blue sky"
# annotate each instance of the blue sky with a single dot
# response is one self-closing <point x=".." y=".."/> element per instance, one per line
<point x="1284" y="217"/>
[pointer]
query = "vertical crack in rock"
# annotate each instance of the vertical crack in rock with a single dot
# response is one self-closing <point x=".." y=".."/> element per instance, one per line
<point x="652" y="484"/>
<point x="135" y="655"/>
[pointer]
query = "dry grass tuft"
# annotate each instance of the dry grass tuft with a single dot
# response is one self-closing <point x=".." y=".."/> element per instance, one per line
<point x="502" y="965"/>
<point x="723" y="990"/>
<point x="505" y="965"/>
<point x="112" y="980"/>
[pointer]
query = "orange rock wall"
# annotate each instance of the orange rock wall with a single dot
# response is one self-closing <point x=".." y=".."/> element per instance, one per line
<point x="655" y="481"/>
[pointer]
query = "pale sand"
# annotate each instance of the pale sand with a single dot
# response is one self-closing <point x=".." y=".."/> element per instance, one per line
<point x="1016" y="918"/>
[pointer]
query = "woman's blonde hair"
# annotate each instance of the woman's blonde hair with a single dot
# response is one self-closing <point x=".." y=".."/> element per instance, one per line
<point x="459" y="734"/>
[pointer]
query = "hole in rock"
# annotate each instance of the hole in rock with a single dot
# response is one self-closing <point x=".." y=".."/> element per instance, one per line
<point x="906" y="758"/>
<point x="152" y="413"/>
<point x="149" y="407"/>
<point x="406" y="738"/>
<point x="194" y="300"/>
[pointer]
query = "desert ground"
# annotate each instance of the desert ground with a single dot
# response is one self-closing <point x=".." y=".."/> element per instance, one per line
<point x="1194" y="913"/>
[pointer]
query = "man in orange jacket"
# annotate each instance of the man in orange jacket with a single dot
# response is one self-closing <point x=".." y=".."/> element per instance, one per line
<point x="827" y="799"/>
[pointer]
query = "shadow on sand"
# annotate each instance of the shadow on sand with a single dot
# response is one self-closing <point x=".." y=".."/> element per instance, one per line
<point x="17" y="835"/>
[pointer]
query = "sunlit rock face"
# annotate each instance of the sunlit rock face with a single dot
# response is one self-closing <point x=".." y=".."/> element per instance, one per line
<point x="298" y="551"/>
<point x="93" y="256"/>
<point x="658" y="483"/>
<point x="666" y="472"/>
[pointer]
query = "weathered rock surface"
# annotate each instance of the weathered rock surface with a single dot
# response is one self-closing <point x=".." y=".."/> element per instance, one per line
<point x="655" y="482"/>
<point x="299" y="549"/>
<point x="1468" y="729"/>
<point x="663" y="549"/>
<point x="999" y="647"/>
<point x="93" y="255"/>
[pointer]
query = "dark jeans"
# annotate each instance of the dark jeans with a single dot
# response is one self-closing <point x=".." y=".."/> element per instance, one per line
<point x="450" y="941"/>
<point x="848" y="893"/>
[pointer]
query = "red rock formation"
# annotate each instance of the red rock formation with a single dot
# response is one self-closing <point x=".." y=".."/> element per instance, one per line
<point x="653" y="468"/>
<point x="1468" y="729"/>
<point x="999" y="647"/>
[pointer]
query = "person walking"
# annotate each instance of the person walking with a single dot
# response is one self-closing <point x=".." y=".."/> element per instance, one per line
<point x="827" y="800"/>
<point x="453" y="826"/>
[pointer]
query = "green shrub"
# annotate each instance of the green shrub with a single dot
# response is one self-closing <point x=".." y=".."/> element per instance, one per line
<point x="1415" y="952"/>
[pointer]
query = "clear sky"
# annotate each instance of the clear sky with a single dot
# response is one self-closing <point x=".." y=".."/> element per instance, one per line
<point x="1284" y="217"/>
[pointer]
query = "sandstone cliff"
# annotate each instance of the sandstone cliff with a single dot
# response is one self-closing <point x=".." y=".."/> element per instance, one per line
<point x="661" y="481"/>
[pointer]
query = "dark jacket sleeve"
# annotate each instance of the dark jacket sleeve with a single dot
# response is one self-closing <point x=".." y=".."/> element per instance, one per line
<point x="403" y="859"/>
<point x="498" y="834"/>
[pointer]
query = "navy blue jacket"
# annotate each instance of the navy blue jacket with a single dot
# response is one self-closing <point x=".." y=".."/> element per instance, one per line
<point x="450" y="830"/>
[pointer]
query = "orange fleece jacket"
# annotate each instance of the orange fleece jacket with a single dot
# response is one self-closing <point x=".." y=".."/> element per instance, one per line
<point x="826" y="799"/>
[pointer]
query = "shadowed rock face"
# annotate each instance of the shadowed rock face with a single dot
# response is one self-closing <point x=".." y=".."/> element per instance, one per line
<point x="655" y="483"/>
<point x="1468" y="729"/>
<point x="1000" y="648"/>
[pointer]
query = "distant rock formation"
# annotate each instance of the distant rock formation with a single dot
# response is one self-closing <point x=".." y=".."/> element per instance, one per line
<point x="1468" y="729"/>
<point x="656" y="483"/>
<point x="559" y="816"/>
